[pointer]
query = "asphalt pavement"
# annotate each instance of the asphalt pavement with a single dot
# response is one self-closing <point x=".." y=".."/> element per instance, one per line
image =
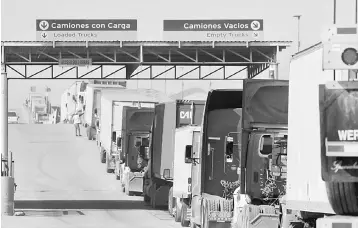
<point x="61" y="183"/>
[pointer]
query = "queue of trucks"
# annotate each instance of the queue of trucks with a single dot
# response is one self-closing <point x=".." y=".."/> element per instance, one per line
<point x="226" y="161"/>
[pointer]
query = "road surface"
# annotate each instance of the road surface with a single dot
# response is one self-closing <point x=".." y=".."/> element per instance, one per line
<point x="61" y="183"/>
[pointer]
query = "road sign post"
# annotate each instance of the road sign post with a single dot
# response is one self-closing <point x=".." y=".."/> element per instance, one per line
<point x="86" y="30"/>
<point x="213" y="30"/>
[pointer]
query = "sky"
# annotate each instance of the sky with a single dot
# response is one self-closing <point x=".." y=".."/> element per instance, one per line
<point x="18" y="24"/>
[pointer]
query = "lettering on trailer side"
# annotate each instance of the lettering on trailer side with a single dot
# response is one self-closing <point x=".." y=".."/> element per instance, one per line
<point x="348" y="135"/>
<point x="337" y="165"/>
<point x="185" y="114"/>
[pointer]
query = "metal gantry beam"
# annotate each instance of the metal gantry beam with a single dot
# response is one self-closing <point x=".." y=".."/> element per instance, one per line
<point x="253" y="56"/>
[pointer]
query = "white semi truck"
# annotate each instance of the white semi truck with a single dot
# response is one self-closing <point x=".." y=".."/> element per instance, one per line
<point x="112" y="104"/>
<point x="186" y="138"/>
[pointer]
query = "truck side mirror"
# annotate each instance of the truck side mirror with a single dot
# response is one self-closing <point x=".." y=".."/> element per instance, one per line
<point x="188" y="153"/>
<point x="229" y="148"/>
<point x="145" y="142"/>
<point x="119" y="142"/>
<point x="114" y="136"/>
<point x="266" y="145"/>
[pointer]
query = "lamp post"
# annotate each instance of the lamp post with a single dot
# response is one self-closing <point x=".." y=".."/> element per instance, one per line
<point x="298" y="31"/>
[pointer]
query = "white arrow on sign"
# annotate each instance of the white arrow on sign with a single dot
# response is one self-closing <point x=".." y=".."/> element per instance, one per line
<point x="255" y="34"/>
<point x="43" y="25"/>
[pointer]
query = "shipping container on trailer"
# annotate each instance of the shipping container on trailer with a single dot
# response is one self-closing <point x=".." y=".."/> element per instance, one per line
<point x="93" y="104"/>
<point x="168" y="116"/>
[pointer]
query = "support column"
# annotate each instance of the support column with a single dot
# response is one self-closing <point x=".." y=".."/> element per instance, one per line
<point x="7" y="179"/>
<point x="4" y="110"/>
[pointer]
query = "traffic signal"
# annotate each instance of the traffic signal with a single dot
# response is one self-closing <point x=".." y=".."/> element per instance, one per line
<point x="340" y="50"/>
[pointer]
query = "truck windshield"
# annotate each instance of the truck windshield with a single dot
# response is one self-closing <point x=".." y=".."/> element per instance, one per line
<point x="341" y="111"/>
<point x="11" y="114"/>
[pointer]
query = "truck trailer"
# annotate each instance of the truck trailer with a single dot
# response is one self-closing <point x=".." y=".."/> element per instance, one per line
<point x="134" y="143"/>
<point x="92" y="110"/>
<point x="158" y="179"/>
<point x="212" y="166"/>
<point x="112" y="104"/>
<point x="326" y="194"/>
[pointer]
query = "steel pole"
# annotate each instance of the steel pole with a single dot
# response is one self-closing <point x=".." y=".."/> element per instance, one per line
<point x="3" y="107"/>
<point x="298" y="32"/>
<point x="7" y="178"/>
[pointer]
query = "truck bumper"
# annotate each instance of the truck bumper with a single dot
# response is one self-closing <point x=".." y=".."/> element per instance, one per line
<point x="337" y="221"/>
<point x="134" y="181"/>
<point x="111" y="161"/>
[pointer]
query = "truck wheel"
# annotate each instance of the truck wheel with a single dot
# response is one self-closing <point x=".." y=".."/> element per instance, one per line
<point x="118" y="177"/>
<point x="184" y="211"/>
<point x="110" y="170"/>
<point x="146" y="199"/>
<point x="103" y="157"/>
<point x="343" y="197"/>
<point x="152" y="202"/>
<point x="178" y="213"/>
<point x="170" y="201"/>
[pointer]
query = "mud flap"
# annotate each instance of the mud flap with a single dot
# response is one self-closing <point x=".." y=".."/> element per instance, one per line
<point x="258" y="216"/>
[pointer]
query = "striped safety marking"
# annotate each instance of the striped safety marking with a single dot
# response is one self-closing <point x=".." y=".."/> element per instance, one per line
<point x="341" y="149"/>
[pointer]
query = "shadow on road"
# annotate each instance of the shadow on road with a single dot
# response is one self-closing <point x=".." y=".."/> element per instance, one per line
<point x="83" y="204"/>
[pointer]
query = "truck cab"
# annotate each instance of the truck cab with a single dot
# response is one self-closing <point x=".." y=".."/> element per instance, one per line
<point x="133" y="147"/>
<point x="214" y="168"/>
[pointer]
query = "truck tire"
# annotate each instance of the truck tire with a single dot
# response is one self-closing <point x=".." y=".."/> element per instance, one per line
<point x="146" y="199"/>
<point x="178" y="213"/>
<point x="110" y="170"/>
<point x="184" y="211"/>
<point x="103" y="157"/>
<point x="343" y="197"/>
<point x="193" y="225"/>
<point x="170" y="201"/>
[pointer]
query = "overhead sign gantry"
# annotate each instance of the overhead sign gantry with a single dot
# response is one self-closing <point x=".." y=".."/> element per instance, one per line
<point x="254" y="56"/>
<point x="73" y="43"/>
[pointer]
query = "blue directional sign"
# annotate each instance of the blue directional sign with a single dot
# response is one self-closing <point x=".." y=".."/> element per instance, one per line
<point x="86" y="30"/>
<point x="213" y="30"/>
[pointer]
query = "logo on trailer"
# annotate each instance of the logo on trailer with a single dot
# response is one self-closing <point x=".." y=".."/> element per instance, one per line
<point x="348" y="135"/>
<point x="44" y="25"/>
<point x="185" y="114"/>
<point x="337" y="165"/>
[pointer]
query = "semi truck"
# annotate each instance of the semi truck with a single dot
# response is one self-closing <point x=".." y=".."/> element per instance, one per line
<point x="212" y="166"/>
<point x="134" y="145"/>
<point x="313" y="178"/>
<point x="112" y="104"/>
<point x="158" y="178"/>
<point x="262" y="155"/>
<point x="92" y="110"/>
<point x="187" y="139"/>
<point x="326" y="193"/>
